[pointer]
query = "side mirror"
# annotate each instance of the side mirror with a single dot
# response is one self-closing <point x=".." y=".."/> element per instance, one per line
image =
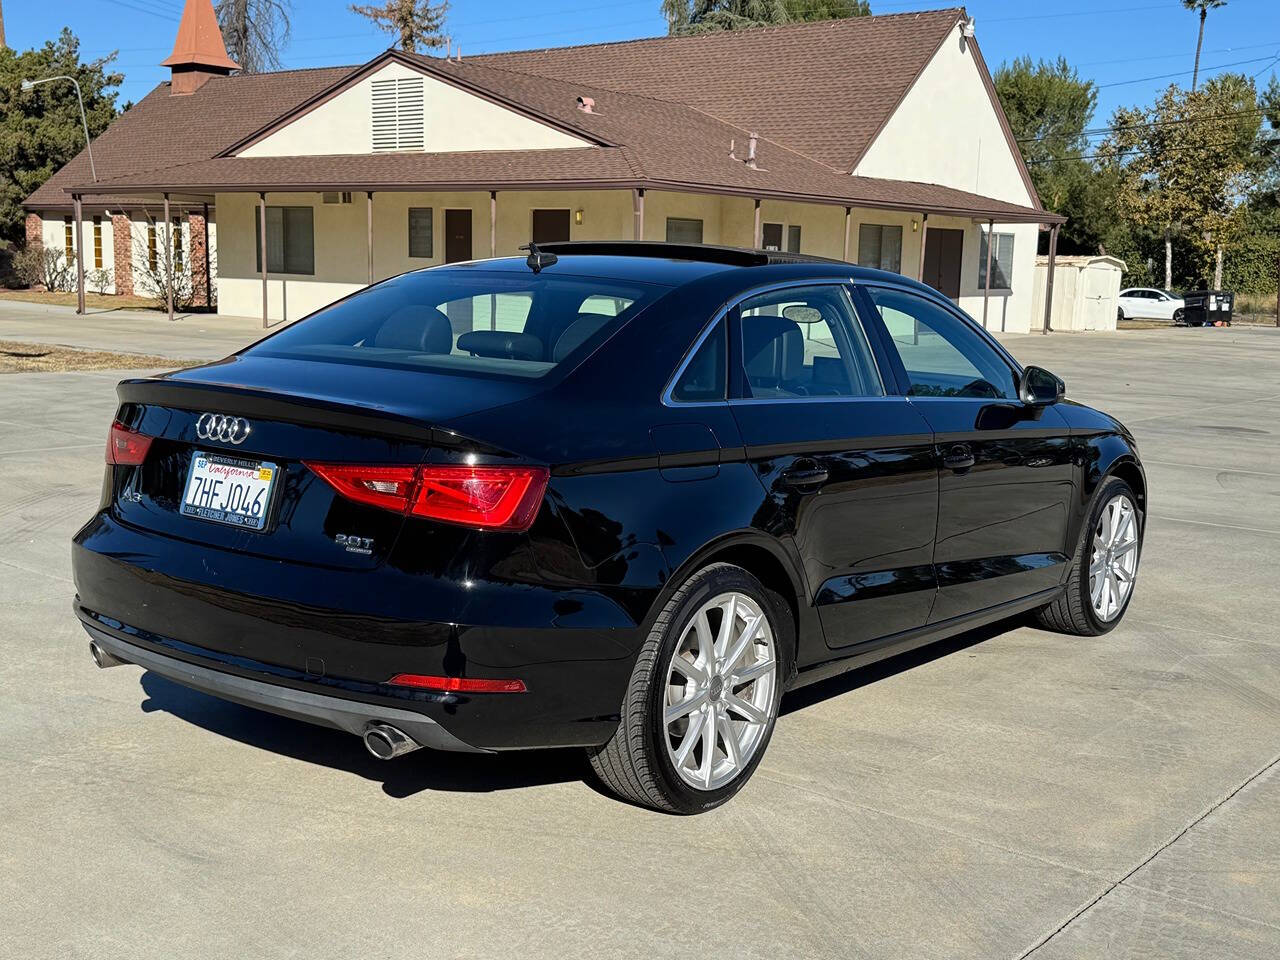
<point x="1039" y="387"/>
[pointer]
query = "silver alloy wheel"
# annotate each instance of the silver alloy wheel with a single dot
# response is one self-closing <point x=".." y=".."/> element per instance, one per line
<point x="720" y="691"/>
<point x="1113" y="565"/>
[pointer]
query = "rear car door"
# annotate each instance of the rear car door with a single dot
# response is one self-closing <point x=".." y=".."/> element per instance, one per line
<point x="848" y="467"/>
<point x="1006" y="478"/>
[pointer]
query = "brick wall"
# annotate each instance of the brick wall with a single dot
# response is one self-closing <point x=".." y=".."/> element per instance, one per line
<point x="35" y="230"/>
<point x="122" y="242"/>
<point x="199" y="247"/>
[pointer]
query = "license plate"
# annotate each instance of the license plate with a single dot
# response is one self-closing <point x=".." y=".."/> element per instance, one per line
<point x="229" y="490"/>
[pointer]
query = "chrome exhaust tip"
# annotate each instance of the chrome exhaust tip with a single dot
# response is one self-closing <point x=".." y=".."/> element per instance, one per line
<point x="387" y="742"/>
<point x="102" y="658"/>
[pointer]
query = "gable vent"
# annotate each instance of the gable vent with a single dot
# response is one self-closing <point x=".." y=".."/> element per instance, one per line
<point x="398" y="115"/>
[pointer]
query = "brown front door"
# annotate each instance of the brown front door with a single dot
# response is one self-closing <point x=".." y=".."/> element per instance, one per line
<point x="943" y="252"/>
<point x="550" y="226"/>
<point x="457" y="235"/>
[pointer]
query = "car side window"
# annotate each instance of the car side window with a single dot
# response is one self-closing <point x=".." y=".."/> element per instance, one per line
<point x="942" y="356"/>
<point x="703" y="378"/>
<point x="805" y="342"/>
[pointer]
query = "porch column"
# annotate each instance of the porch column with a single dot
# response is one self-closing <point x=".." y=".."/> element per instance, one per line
<point x="493" y="223"/>
<point x="924" y="232"/>
<point x="986" y="286"/>
<point x="79" y="250"/>
<point x="368" y="211"/>
<point x="848" y="215"/>
<point x="262" y="240"/>
<point x="1048" y="286"/>
<point x="637" y="207"/>
<point x="172" y="271"/>
<point x="756" y="240"/>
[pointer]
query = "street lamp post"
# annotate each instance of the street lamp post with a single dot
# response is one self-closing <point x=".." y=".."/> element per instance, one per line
<point x="88" y="145"/>
<point x="29" y="84"/>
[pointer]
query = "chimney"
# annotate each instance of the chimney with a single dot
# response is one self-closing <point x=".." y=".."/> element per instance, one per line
<point x="199" y="54"/>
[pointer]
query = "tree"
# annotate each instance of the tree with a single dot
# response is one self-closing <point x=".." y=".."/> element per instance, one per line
<point x="255" y="31"/>
<point x="40" y="129"/>
<point x="418" y="22"/>
<point x="1184" y="167"/>
<point x="810" y="11"/>
<point x="1204" y="6"/>
<point x="1049" y="110"/>
<point x="709" y="16"/>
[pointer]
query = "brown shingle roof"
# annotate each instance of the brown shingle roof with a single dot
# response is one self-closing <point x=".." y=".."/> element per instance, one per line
<point x="637" y="139"/>
<point x="160" y="130"/>
<point x="751" y="78"/>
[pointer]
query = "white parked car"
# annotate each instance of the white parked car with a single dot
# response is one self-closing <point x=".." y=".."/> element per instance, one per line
<point x="1148" y="303"/>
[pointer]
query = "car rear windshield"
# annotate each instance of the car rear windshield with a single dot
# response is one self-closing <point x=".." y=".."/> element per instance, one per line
<point x="465" y="321"/>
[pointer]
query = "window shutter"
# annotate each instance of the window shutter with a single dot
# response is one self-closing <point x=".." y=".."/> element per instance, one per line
<point x="420" y="238"/>
<point x="299" y="240"/>
<point x="870" y="236"/>
<point x="398" y="117"/>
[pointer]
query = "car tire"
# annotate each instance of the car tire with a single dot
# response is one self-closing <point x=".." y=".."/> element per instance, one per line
<point x="1179" y="317"/>
<point x="1077" y="611"/>
<point x="639" y="763"/>
<point x="1119" y="315"/>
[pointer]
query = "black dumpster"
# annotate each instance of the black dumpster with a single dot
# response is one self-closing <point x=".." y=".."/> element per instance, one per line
<point x="1208" y="308"/>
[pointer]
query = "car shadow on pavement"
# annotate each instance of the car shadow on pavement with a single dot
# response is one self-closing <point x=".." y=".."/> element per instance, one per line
<point x="464" y="772"/>
<point x="403" y="777"/>
<point x="862" y="676"/>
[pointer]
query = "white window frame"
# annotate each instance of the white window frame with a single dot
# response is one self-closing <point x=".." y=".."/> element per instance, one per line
<point x="1003" y="271"/>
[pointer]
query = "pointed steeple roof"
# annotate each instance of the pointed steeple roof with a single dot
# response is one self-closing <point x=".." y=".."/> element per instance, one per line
<point x="199" y="40"/>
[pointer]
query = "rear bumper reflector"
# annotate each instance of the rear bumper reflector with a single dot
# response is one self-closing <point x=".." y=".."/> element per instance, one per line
<point x="457" y="684"/>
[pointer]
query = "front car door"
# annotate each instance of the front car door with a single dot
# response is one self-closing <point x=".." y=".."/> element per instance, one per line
<point x="849" y="468"/>
<point x="1007" y="474"/>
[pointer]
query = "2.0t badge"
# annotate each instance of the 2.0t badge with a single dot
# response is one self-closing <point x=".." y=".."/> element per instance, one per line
<point x="354" y="544"/>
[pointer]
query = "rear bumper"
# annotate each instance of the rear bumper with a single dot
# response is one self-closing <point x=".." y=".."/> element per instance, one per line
<point x="341" y="634"/>
<point x="329" y="711"/>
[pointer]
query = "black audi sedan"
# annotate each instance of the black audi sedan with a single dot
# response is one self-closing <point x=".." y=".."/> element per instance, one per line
<point x="614" y="496"/>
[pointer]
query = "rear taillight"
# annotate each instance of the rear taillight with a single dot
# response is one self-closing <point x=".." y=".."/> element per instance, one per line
<point x="125" y="447"/>
<point x="457" y="684"/>
<point x="490" y="497"/>
<point x="388" y="487"/>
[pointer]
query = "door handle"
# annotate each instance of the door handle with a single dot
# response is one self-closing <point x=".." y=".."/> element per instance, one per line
<point x="958" y="458"/>
<point x="805" y="473"/>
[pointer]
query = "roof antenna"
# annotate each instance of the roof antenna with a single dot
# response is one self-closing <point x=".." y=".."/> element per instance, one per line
<point x="537" y="259"/>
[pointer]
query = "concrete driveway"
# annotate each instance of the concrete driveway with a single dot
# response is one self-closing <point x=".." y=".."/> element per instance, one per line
<point x="1011" y="793"/>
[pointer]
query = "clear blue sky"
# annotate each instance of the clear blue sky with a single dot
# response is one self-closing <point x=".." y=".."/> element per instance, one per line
<point x="1117" y="43"/>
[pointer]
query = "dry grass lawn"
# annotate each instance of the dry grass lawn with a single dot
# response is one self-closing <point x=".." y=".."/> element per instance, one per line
<point x="18" y="357"/>
<point x="94" y="300"/>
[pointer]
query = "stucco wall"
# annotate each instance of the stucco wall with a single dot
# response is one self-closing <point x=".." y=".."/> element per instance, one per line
<point x="53" y="231"/>
<point x="454" y="120"/>
<point x="341" y="255"/>
<point x="946" y="132"/>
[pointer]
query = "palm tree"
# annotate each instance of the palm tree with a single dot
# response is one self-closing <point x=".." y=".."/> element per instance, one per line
<point x="1204" y="6"/>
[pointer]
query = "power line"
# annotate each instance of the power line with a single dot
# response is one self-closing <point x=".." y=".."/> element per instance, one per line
<point x="146" y="10"/>
<point x="1137" y="150"/>
<point x="1183" y="73"/>
<point x="1100" y="131"/>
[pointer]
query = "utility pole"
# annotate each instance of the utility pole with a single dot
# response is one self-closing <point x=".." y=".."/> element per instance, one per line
<point x="1" y="24"/>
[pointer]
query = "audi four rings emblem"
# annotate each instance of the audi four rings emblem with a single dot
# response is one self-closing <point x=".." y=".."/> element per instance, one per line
<point x="224" y="429"/>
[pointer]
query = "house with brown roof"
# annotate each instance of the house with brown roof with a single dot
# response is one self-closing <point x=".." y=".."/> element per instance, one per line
<point x="877" y="140"/>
